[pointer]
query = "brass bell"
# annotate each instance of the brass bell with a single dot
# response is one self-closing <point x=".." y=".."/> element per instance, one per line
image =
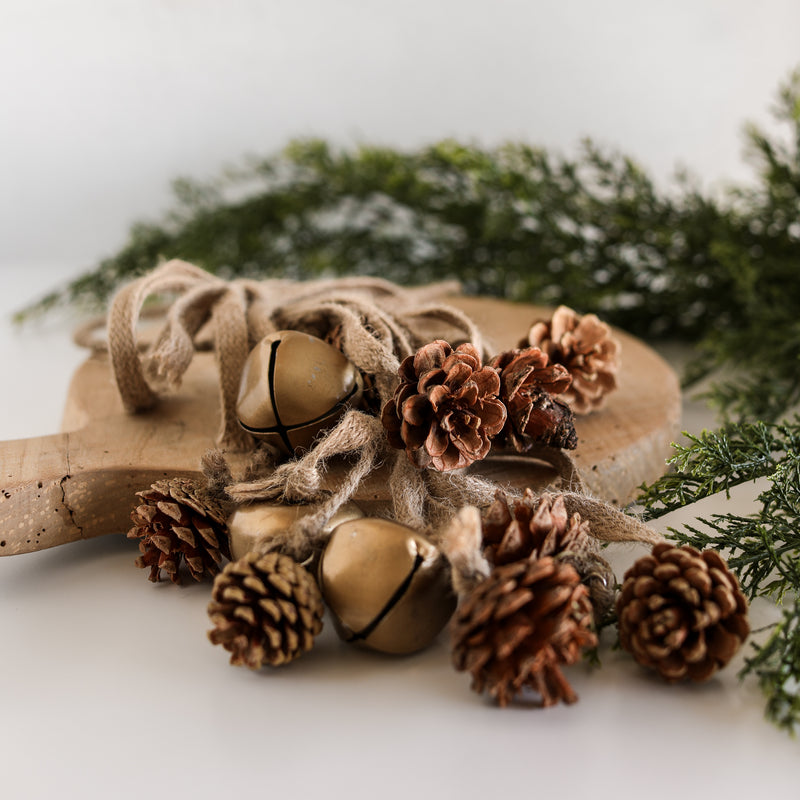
<point x="387" y="586"/>
<point x="293" y="386"/>
<point x="258" y="522"/>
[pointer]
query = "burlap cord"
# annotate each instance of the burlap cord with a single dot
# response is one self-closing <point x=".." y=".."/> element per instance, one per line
<point x="376" y="323"/>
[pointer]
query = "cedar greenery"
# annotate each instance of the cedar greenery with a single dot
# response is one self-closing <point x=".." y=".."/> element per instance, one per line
<point x="762" y="548"/>
<point x="593" y="232"/>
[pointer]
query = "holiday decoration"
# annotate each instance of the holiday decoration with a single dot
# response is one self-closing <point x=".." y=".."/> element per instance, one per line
<point x="253" y="525"/>
<point x="292" y="387"/>
<point x="266" y="609"/>
<point x="179" y="522"/>
<point x="681" y="612"/>
<point x="533" y="527"/>
<point x="589" y="351"/>
<point x="445" y="410"/>
<point x="387" y="586"/>
<point x="392" y="503"/>
<point x="657" y="264"/>
<point x="519" y="626"/>
<point x="528" y="382"/>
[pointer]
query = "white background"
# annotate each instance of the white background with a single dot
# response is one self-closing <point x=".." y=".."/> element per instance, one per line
<point x="108" y="686"/>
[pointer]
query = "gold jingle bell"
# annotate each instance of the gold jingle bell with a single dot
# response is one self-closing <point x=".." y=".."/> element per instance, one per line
<point x="293" y="386"/>
<point x="387" y="587"/>
<point x="259" y="522"/>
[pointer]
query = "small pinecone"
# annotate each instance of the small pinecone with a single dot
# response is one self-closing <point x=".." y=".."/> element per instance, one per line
<point x="445" y="410"/>
<point x="179" y="520"/>
<point x="531" y="527"/>
<point x="517" y="628"/>
<point x="587" y="348"/>
<point x="528" y="383"/>
<point x="266" y="609"/>
<point x="681" y="612"/>
<point x="534" y="527"/>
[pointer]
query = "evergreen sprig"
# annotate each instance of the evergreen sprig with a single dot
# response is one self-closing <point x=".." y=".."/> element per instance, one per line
<point x="775" y="664"/>
<point x="762" y="548"/>
<point x="716" y="461"/>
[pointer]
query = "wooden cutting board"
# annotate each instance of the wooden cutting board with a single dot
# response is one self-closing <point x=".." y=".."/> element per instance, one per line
<point x="80" y="484"/>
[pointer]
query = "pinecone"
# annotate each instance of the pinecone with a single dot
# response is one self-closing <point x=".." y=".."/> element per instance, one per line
<point x="534" y="527"/>
<point x="179" y="520"/>
<point x="528" y="383"/>
<point x="531" y="527"/>
<point x="589" y="351"/>
<point x="266" y="609"/>
<point x="445" y="410"/>
<point x="681" y="612"/>
<point x="517" y="628"/>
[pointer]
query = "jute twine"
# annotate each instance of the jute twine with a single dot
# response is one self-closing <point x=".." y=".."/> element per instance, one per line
<point x="377" y="324"/>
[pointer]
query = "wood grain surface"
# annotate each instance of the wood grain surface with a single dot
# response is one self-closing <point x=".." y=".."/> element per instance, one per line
<point x="80" y="483"/>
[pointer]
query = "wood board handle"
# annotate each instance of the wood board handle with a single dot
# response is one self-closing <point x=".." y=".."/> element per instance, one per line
<point x="59" y="489"/>
<point x="34" y="508"/>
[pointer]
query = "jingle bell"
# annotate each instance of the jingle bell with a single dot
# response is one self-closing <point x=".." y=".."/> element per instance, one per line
<point x="387" y="587"/>
<point x="293" y="386"/>
<point x="258" y="522"/>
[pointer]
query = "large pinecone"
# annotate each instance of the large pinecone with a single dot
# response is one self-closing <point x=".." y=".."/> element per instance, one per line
<point x="587" y="348"/>
<point x="177" y="521"/>
<point x="445" y="411"/>
<point x="266" y="609"/>
<point x="528" y="383"/>
<point x="517" y="628"/>
<point x="681" y="612"/>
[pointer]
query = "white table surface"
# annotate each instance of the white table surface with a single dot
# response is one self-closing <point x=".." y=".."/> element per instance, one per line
<point x="110" y="687"/>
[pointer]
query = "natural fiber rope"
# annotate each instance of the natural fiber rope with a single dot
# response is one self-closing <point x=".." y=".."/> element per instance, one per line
<point x="376" y="323"/>
<point x="241" y="312"/>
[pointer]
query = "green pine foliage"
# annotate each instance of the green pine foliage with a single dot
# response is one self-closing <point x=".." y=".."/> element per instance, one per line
<point x="775" y="663"/>
<point x="592" y="231"/>
<point x="762" y="548"/>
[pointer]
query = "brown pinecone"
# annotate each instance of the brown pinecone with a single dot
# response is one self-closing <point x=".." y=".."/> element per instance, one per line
<point x="517" y="628"/>
<point x="681" y="612"/>
<point x="445" y="410"/>
<point x="266" y="609"/>
<point x="528" y="383"/>
<point x="587" y="348"/>
<point x="533" y="527"/>
<point x="179" y="521"/>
